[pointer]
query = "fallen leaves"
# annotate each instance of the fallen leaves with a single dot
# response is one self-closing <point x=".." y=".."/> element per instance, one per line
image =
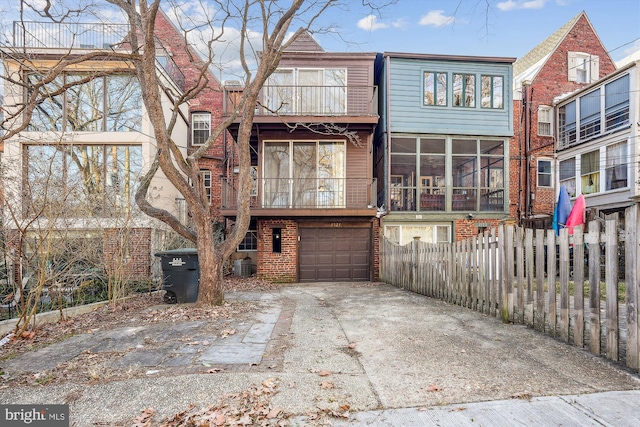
<point x="434" y="388"/>
<point x="249" y="407"/>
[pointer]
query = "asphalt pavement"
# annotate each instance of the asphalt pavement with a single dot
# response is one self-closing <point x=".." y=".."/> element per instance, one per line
<point x="392" y="357"/>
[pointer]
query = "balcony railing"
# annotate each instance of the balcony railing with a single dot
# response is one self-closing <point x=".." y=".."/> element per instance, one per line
<point x="312" y="193"/>
<point x="309" y="100"/>
<point x="89" y="36"/>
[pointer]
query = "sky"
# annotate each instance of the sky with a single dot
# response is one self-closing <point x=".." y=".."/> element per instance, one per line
<point x="504" y="28"/>
<point x="498" y="28"/>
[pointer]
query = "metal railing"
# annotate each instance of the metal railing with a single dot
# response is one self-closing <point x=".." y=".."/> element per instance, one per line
<point x="309" y="100"/>
<point x="88" y="36"/>
<point x="310" y="193"/>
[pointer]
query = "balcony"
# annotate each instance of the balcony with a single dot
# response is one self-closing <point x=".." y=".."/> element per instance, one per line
<point x="48" y="37"/>
<point x="306" y="197"/>
<point x="309" y="101"/>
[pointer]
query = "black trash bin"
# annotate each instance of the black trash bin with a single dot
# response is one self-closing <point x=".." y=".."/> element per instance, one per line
<point x="180" y="275"/>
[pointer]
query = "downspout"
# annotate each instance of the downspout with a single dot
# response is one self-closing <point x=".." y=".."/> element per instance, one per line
<point x="386" y="136"/>
<point x="527" y="146"/>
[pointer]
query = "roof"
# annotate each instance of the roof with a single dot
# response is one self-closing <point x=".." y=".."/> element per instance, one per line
<point x="304" y="43"/>
<point x="533" y="58"/>
<point x="438" y="57"/>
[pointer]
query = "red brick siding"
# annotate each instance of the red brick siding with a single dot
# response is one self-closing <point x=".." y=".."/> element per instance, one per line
<point x="278" y="267"/>
<point x="465" y="228"/>
<point x="128" y="250"/>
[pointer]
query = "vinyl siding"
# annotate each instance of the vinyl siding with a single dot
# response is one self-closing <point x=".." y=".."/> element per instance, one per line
<point x="408" y="114"/>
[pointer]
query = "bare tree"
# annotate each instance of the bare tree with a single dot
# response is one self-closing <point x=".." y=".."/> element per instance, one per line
<point x="268" y="21"/>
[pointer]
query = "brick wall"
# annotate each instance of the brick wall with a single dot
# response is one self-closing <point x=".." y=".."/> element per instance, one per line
<point x="465" y="228"/>
<point x="209" y="99"/>
<point x="127" y="253"/>
<point x="278" y="267"/>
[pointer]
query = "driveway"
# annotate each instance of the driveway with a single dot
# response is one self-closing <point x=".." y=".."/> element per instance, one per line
<point x="364" y="346"/>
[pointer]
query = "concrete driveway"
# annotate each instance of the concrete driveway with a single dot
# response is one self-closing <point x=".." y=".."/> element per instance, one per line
<point x="380" y="348"/>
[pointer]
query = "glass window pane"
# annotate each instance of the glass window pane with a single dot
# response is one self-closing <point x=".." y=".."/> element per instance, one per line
<point x="432" y="145"/>
<point x="490" y="146"/>
<point x="85" y="104"/>
<point x="464" y="146"/>
<point x="124" y="104"/>
<point x="48" y="115"/>
<point x="465" y="171"/>
<point x="403" y="145"/>
<point x="276" y="174"/>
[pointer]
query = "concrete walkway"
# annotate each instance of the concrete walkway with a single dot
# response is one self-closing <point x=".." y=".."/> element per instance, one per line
<point x="396" y="358"/>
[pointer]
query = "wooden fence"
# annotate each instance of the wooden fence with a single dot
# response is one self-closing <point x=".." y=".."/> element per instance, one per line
<point x="530" y="277"/>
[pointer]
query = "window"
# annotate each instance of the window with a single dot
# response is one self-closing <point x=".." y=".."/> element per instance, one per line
<point x="616" y="166"/>
<point x="206" y="183"/>
<point x="582" y="67"/>
<point x="435" y="88"/>
<point x="464" y="91"/>
<point x="544" y="120"/>
<point x="102" y="104"/>
<point x="80" y="180"/>
<point x="590" y="172"/>
<point x="544" y="173"/>
<point x="276" y="240"/>
<point x="590" y="115"/>
<point x="250" y="241"/>
<point x="616" y="103"/>
<point x="200" y="128"/>
<point x="447" y="174"/>
<point x="304" y="174"/>
<point x="568" y="175"/>
<point x="492" y="92"/>
<point x="567" y="125"/>
<point x="308" y="91"/>
<point x="403" y="234"/>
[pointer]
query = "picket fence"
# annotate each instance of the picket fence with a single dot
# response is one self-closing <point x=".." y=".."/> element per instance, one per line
<point x="530" y="277"/>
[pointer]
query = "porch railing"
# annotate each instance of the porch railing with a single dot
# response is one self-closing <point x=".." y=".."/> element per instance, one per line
<point x="89" y="36"/>
<point x="310" y="193"/>
<point x="309" y="100"/>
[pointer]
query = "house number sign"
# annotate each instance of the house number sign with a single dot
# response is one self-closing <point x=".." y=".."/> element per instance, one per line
<point x="177" y="262"/>
<point x="336" y="224"/>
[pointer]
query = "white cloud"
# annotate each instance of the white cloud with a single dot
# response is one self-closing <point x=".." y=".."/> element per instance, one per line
<point x="370" y="23"/>
<point x="437" y="18"/>
<point x="519" y="4"/>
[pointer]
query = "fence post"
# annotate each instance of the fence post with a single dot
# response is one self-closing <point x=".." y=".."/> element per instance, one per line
<point x="611" y="285"/>
<point x="539" y="316"/>
<point x="594" y="287"/>
<point x="507" y="295"/>
<point x="551" y="281"/>
<point x="632" y="285"/>
<point x="414" y="264"/>
<point x="564" y="284"/>
<point x="578" y="287"/>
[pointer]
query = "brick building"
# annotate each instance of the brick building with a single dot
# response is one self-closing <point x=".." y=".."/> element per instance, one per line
<point x="568" y="60"/>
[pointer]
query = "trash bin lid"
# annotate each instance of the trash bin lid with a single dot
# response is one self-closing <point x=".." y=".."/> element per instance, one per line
<point x="183" y="251"/>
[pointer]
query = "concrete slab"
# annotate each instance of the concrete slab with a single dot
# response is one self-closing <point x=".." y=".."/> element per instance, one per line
<point x="233" y="354"/>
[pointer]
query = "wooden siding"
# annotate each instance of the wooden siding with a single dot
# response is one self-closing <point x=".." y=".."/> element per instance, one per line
<point x="408" y="114"/>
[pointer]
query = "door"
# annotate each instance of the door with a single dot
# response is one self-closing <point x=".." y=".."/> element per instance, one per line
<point x="329" y="254"/>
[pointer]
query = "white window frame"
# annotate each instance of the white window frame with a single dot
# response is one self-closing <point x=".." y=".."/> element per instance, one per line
<point x="545" y="120"/>
<point x="583" y="67"/>
<point x="206" y="183"/>
<point x="200" y="121"/>
<point x="550" y="174"/>
<point x="399" y="228"/>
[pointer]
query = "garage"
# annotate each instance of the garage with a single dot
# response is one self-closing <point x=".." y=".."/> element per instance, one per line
<point x="334" y="254"/>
